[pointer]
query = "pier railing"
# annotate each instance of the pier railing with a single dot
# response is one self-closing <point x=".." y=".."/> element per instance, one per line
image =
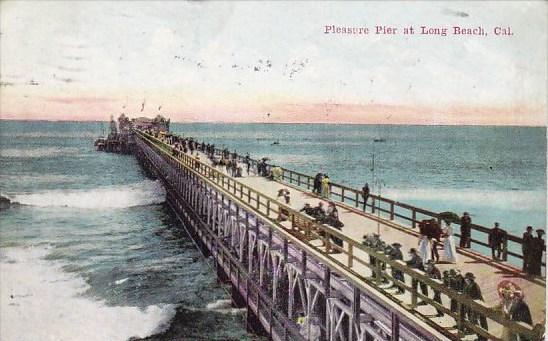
<point x="287" y="220"/>
<point x="405" y="213"/>
<point x="386" y="208"/>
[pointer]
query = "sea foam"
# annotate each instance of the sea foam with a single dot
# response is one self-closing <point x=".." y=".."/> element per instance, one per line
<point x="41" y="302"/>
<point x="511" y="200"/>
<point x="143" y="193"/>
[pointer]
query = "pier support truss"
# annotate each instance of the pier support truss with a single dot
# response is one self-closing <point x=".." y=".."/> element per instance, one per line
<point x="290" y="294"/>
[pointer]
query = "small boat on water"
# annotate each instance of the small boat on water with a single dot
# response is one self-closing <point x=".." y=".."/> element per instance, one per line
<point x="275" y="142"/>
<point x="100" y="143"/>
<point x="380" y="139"/>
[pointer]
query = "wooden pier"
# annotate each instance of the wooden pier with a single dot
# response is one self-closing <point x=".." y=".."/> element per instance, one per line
<point x="281" y="270"/>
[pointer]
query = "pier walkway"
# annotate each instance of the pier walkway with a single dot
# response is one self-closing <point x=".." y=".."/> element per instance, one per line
<point x="352" y="260"/>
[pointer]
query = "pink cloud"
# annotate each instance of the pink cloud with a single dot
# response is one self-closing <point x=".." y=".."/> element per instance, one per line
<point x="80" y="100"/>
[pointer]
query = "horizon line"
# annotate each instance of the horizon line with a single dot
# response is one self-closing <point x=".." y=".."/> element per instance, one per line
<point x="296" y="123"/>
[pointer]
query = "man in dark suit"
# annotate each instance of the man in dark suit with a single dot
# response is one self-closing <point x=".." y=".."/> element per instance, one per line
<point x="526" y="246"/>
<point x="416" y="263"/>
<point x="434" y="273"/>
<point x="535" y="255"/>
<point x="497" y="238"/>
<point x="365" y="194"/>
<point x="473" y="291"/>
<point x="396" y="254"/>
<point x="434" y="234"/>
<point x="519" y="312"/>
<point x="465" y="230"/>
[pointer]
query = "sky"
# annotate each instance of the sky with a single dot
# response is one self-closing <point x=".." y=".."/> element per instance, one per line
<point x="273" y="62"/>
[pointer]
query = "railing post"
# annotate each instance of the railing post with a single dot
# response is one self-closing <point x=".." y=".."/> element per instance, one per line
<point x="378" y="271"/>
<point x="342" y="194"/>
<point x="392" y="210"/>
<point x="350" y="255"/>
<point x="395" y="327"/>
<point x="357" y="199"/>
<point x="460" y="319"/>
<point x="414" y="218"/>
<point x="373" y="204"/>
<point x="414" y="288"/>
<point x="505" y="249"/>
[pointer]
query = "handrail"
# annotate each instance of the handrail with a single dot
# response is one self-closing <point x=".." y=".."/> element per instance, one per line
<point x="356" y="199"/>
<point x="307" y="227"/>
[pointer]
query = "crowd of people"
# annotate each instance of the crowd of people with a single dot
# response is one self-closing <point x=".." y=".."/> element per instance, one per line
<point x="532" y="248"/>
<point x="322" y="185"/>
<point x="514" y="307"/>
<point x="329" y="216"/>
<point x="431" y="235"/>
<point x="423" y="258"/>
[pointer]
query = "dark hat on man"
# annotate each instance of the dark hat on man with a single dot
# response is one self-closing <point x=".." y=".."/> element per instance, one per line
<point x="398" y="245"/>
<point x="413" y="250"/>
<point x="469" y="275"/>
<point x="540" y="231"/>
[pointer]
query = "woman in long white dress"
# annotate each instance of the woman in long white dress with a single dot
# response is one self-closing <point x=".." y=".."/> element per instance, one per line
<point x="424" y="250"/>
<point x="449" y="248"/>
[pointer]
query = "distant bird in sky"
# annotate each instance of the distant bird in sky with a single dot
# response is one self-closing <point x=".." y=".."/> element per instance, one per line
<point x="159" y="108"/>
<point x="143" y="105"/>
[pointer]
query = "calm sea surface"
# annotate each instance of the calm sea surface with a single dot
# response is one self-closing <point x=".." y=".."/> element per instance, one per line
<point x="96" y="244"/>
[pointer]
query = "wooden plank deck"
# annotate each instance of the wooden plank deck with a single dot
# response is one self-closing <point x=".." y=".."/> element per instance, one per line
<point x="357" y="223"/>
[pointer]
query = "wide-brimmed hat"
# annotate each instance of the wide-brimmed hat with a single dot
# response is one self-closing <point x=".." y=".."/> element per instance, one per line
<point x="469" y="275"/>
<point x="396" y="244"/>
<point x="541" y="231"/>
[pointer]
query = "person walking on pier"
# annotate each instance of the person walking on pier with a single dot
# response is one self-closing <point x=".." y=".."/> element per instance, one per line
<point x="326" y="184"/>
<point x="519" y="312"/>
<point x="319" y="212"/>
<point x="416" y="262"/>
<point x="497" y="238"/>
<point x="473" y="292"/>
<point x="365" y="194"/>
<point x="435" y="273"/>
<point x="456" y="282"/>
<point x="307" y="209"/>
<point x="465" y="230"/>
<point x="449" y="249"/>
<point x="526" y="246"/>
<point x="247" y="162"/>
<point x="317" y="183"/>
<point x="425" y="249"/>
<point x="535" y="255"/>
<point x="396" y="254"/>
<point x="434" y="236"/>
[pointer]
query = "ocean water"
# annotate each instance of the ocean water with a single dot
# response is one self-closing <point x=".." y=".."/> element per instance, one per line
<point x="93" y="254"/>
<point x="495" y="173"/>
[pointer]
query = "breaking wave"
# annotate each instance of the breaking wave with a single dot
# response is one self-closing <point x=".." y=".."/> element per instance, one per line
<point x="30" y="283"/>
<point x="140" y="194"/>
<point x="511" y="200"/>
